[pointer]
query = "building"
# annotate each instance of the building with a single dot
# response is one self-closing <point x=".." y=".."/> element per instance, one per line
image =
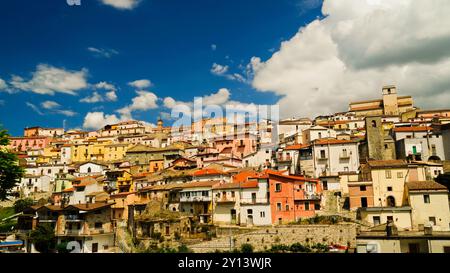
<point x="292" y="197"/>
<point x="390" y="104"/>
<point x="378" y="145"/>
<point x="430" y="205"/>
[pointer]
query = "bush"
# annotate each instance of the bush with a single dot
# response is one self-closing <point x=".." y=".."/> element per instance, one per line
<point x="21" y="204"/>
<point x="247" y="248"/>
<point x="279" y="248"/>
<point x="43" y="238"/>
<point x="299" y="248"/>
<point x="184" y="249"/>
<point x="62" y="248"/>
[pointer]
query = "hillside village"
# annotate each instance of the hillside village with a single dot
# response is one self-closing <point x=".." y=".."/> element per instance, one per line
<point x="372" y="179"/>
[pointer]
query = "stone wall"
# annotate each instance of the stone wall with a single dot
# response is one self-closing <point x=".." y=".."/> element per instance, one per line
<point x="264" y="238"/>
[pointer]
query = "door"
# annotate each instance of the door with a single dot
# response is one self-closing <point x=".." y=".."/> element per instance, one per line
<point x="414" y="150"/>
<point x="250" y="220"/>
<point x="253" y="197"/>
<point x="414" y="248"/>
<point x="364" y="202"/>
<point x="233" y="216"/>
<point x="94" y="247"/>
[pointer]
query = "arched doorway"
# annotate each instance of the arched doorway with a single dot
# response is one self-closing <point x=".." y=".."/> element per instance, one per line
<point x="390" y="201"/>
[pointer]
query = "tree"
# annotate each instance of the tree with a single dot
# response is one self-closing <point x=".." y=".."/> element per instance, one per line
<point x="43" y="238"/>
<point x="21" y="204"/>
<point x="247" y="248"/>
<point x="10" y="171"/>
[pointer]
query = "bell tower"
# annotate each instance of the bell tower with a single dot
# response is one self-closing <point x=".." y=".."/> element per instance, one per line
<point x="160" y="123"/>
<point x="390" y="102"/>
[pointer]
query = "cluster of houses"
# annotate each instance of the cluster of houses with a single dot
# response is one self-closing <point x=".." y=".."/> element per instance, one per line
<point x="378" y="161"/>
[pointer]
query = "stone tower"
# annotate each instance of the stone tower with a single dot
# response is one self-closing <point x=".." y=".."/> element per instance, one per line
<point x="374" y="138"/>
<point x="160" y="123"/>
<point x="390" y="102"/>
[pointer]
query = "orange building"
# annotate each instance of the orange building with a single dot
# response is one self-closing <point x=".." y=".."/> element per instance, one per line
<point x="292" y="197"/>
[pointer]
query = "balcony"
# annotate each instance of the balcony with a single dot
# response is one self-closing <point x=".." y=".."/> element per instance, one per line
<point x="196" y="199"/>
<point x="284" y="159"/>
<point x="73" y="218"/>
<point x="322" y="158"/>
<point x="73" y="232"/>
<point x="344" y="156"/>
<point x="251" y="201"/>
<point x="46" y="218"/>
<point x="225" y="200"/>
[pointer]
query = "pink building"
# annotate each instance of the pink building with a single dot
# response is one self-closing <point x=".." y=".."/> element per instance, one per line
<point x="238" y="145"/>
<point x="27" y="143"/>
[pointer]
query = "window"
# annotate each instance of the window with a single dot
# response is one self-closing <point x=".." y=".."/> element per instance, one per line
<point x="322" y="154"/>
<point x="98" y="225"/>
<point x="306" y="205"/>
<point x="389" y="188"/>
<point x="362" y="188"/>
<point x="376" y="220"/>
<point x="390" y="218"/>
<point x="287" y="207"/>
<point x="278" y="187"/>
<point x="278" y="206"/>
<point x="388" y="174"/>
<point x="426" y="198"/>
<point x="374" y="124"/>
<point x="399" y="175"/>
<point x="325" y="185"/>
<point x="249" y="211"/>
<point x="432" y="220"/>
<point x="232" y="194"/>
<point x="262" y="214"/>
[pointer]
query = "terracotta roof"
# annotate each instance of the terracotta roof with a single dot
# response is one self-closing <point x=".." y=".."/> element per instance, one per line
<point x="413" y="129"/>
<point x="425" y="185"/>
<point x="49" y="207"/>
<point x="121" y="194"/>
<point x="226" y="150"/>
<point x="387" y="163"/>
<point x="333" y="141"/>
<point x="296" y="147"/>
<point x="200" y="184"/>
<point x="206" y="172"/>
<point x="291" y="177"/>
<point x="69" y="190"/>
<point x="242" y="176"/>
<point x="89" y="207"/>
<point x="237" y="185"/>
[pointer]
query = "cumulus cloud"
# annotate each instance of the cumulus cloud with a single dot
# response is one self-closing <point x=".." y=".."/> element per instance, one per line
<point x="141" y="84"/>
<point x="48" y="80"/>
<point x="143" y="101"/>
<point x="359" y="46"/>
<point x="3" y="84"/>
<point x="122" y="4"/>
<point x="96" y="120"/>
<point x="222" y="70"/>
<point x="48" y="104"/>
<point x="102" y="52"/>
<point x="96" y="97"/>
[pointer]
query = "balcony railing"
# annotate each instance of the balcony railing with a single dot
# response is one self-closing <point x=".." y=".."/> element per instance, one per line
<point x="254" y="201"/>
<point x="73" y="232"/>
<point x="195" y="199"/>
<point x="73" y="217"/>
<point x="284" y="159"/>
<point x="225" y="199"/>
<point x="344" y="156"/>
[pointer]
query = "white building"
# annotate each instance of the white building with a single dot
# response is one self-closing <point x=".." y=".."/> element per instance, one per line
<point x="332" y="156"/>
<point x="317" y="132"/>
<point x="91" y="168"/>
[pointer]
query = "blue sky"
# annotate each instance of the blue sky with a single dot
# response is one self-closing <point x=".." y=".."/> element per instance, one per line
<point x="172" y="43"/>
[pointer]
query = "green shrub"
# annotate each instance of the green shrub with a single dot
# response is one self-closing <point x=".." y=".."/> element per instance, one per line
<point x="21" y="204"/>
<point x="247" y="248"/>
<point x="299" y="248"/>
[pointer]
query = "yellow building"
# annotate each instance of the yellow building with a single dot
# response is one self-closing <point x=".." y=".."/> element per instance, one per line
<point x="114" y="152"/>
<point x="388" y="179"/>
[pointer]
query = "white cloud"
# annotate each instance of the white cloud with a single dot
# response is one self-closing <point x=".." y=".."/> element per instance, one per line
<point x="111" y="96"/>
<point x="144" y="101"/>
<point x="122" y="4"/>
<point x="218" y="69"/>
<point x="356" y="49"/>
<point x="34" y="108"/>
<point x="48" y="104"/>
<point x="3" y="84"/>
<point x="68" y="113"/>
<point x="102" y="52"/>
<point x="213" y="47"/>
<point x="48" y="80"/>
<point x="141" y="84"/>
<point x="94" y="98"/>
<point x="222" y="70"/>
<point x="96" y="120"/>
